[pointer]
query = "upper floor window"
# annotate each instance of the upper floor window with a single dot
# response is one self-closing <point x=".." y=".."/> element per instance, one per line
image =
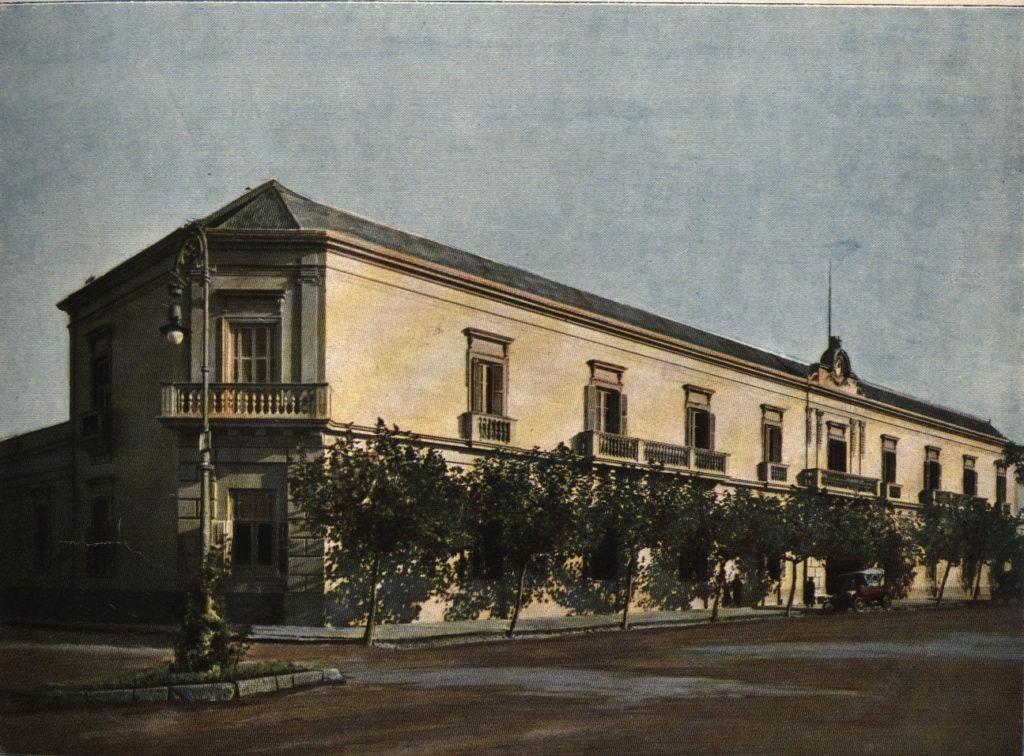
<point x="771" y="434"/>
<point x="970" y="482"/>
<point x="1000" y="484"/>
<point x="250" y="335"/>
<point x="99" y="372"/>
<point x="252" y="352"/>
<point x="932" y="469"/>
<point x="837" y="454"/>
<point x="888" y="459"/>
<point x="487" y="361"/>
<point x="604" y="399"/>
<point x="700" y="422"/>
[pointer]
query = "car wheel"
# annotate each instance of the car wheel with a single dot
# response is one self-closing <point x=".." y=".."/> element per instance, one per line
<point x="886" y="602"/>
<point x="859" y="605"/>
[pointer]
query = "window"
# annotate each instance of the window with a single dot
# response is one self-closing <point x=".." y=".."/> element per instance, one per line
<point x="607" y="410"/>
<point x="99" y="374"/>
<point x="694" y="567"/>
<point x="771" y="434"/>
<point x="253" y="528"/>
<point x="604" y="399"/>
<point x="837" y="447"/>
<point x="970" y="482"/>
<point x="888" y="459"/>
<point x="486" y="560"/>
<point x="488" y="387"/>
<point x="252" y="350"/>
<point x="1000" y="484"/>
<point x="487" y="360"/>
<point x="101" y="538"/>
<point x="932" y="469"/>
<point x="603" y="561"/>
<point x="700" y="422"/>
<point x="41" y="537"/>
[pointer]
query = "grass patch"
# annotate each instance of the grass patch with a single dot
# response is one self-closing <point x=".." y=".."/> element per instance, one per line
<point x="159" y="676"/>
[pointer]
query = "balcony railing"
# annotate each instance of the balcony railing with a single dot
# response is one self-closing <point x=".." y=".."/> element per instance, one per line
<point x="818" y="478"/>
<point x="705" y="459"/>
<point x="612" y="446"/>
<point x="669" y="455"/>
<point x="490" y="428"/>
<point x="248" y="401"/>
<point x="947" y="497"/>
<point x="893" y="491"/>
<point x="772" y="472"/>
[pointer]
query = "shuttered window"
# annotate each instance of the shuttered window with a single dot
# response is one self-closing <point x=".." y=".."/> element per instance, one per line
<point x="771" y="434"/>
<point x="253" y="537"/>
<point x="700" y="421"/>
<point x="252" y="353"/>
<point x="1000" y="485"/>
<point x="970" y="481"/>
<point x="488" y="387"/>
<point x="932" y="470"/>
<point x="605" y="404"/>
<point x="888" y="459"/>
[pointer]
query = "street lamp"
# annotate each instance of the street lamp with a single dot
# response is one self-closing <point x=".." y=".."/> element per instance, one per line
<point x="193" y="263"/>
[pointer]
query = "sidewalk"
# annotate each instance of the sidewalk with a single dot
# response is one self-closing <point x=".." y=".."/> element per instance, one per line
<point x="495" y="628"/>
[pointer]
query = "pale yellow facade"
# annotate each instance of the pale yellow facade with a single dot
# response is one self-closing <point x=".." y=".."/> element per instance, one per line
<point x="364" y="327"/>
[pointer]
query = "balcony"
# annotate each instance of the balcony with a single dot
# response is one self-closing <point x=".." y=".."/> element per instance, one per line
<point x="248" y="401"/>
<point x="616" y="448"/>
<point x="893" y="491"/>
<point x="772" y="472"/>
<point x="835" y="480"/>
<point x="947" y="497"/>
<point x="705" y="459"/>
<point x="492" y="429"/>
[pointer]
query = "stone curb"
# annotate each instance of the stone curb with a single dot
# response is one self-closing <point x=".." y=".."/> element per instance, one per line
<point x="201" y="693"/>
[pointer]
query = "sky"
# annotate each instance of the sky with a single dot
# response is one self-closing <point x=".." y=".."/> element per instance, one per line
<point x="699" y="162"/>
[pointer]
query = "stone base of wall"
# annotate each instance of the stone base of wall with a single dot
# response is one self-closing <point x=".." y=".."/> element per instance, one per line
<point x="118" y="606"/>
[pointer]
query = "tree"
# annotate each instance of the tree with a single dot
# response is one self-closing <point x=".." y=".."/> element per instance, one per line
<point x="379" y="499"/>
<point x="1013" y="456"/>
<point x="801" y="524"/>
<point x="939" y="536"/>
<point x="623" y="508"/>
<point x="745" y="528"/>
<point x="526" y="504"/>
<point x="683" y="511"/>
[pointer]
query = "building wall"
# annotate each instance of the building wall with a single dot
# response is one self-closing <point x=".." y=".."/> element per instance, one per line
<point x="395" y="349"/>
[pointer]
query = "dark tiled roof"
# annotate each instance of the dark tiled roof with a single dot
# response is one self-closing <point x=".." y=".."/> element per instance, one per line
<point x="273" y="206"/>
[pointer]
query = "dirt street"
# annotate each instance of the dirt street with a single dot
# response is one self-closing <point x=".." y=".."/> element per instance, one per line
<point x="920" y="682"/>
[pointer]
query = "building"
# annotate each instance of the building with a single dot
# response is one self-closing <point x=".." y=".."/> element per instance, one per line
<point x="320" y="318"/>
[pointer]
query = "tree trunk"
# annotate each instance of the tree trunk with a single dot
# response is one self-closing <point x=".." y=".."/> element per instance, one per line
<point x="792" y="587"/>
<point x="630" y="566"/>
<point x="977" y="581"/>
<point x="942" y="585"/>
<point x="719" y="582"/>
<point x="371" y="620"/>
<point x="519" y="600"/>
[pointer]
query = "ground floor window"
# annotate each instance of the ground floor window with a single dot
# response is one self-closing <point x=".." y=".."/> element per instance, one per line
<point x="101" y="539"/>
<point x="253" y="528"/>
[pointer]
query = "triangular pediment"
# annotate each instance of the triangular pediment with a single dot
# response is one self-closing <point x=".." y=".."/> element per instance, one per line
<point x="260" y="209"/>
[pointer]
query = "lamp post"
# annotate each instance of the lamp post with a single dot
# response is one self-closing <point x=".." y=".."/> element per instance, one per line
<point x="193" y="263"/>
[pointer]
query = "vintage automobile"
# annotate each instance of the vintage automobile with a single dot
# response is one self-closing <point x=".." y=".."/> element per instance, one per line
<point x="860" y="590"/>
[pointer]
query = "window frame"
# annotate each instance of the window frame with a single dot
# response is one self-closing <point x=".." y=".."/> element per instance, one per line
<point x="698" y="400"/>
<point x="837" y="433"/>
<point x="233" y="326"/>
<point x="255" y="526"/>
<point x="100" y="382"/>
<point x="1001" y="493"/>
<point x="605" y="380"/>
<point x="484" y="352"/>
<point x="101" y="537"/>
<point x="970" y="473"/>
<point x="932" y="468"/>
<point x="772" y="420"/>
<point x="889" y="447"/>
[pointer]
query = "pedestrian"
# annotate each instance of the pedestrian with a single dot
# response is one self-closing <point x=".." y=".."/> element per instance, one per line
<point x="809" y="591"/>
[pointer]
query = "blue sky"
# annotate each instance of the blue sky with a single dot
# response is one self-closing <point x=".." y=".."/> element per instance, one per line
<point x="699" y="162"/>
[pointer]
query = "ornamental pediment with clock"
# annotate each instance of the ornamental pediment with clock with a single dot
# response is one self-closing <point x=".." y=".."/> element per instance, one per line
<point x="833" y="370"/>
